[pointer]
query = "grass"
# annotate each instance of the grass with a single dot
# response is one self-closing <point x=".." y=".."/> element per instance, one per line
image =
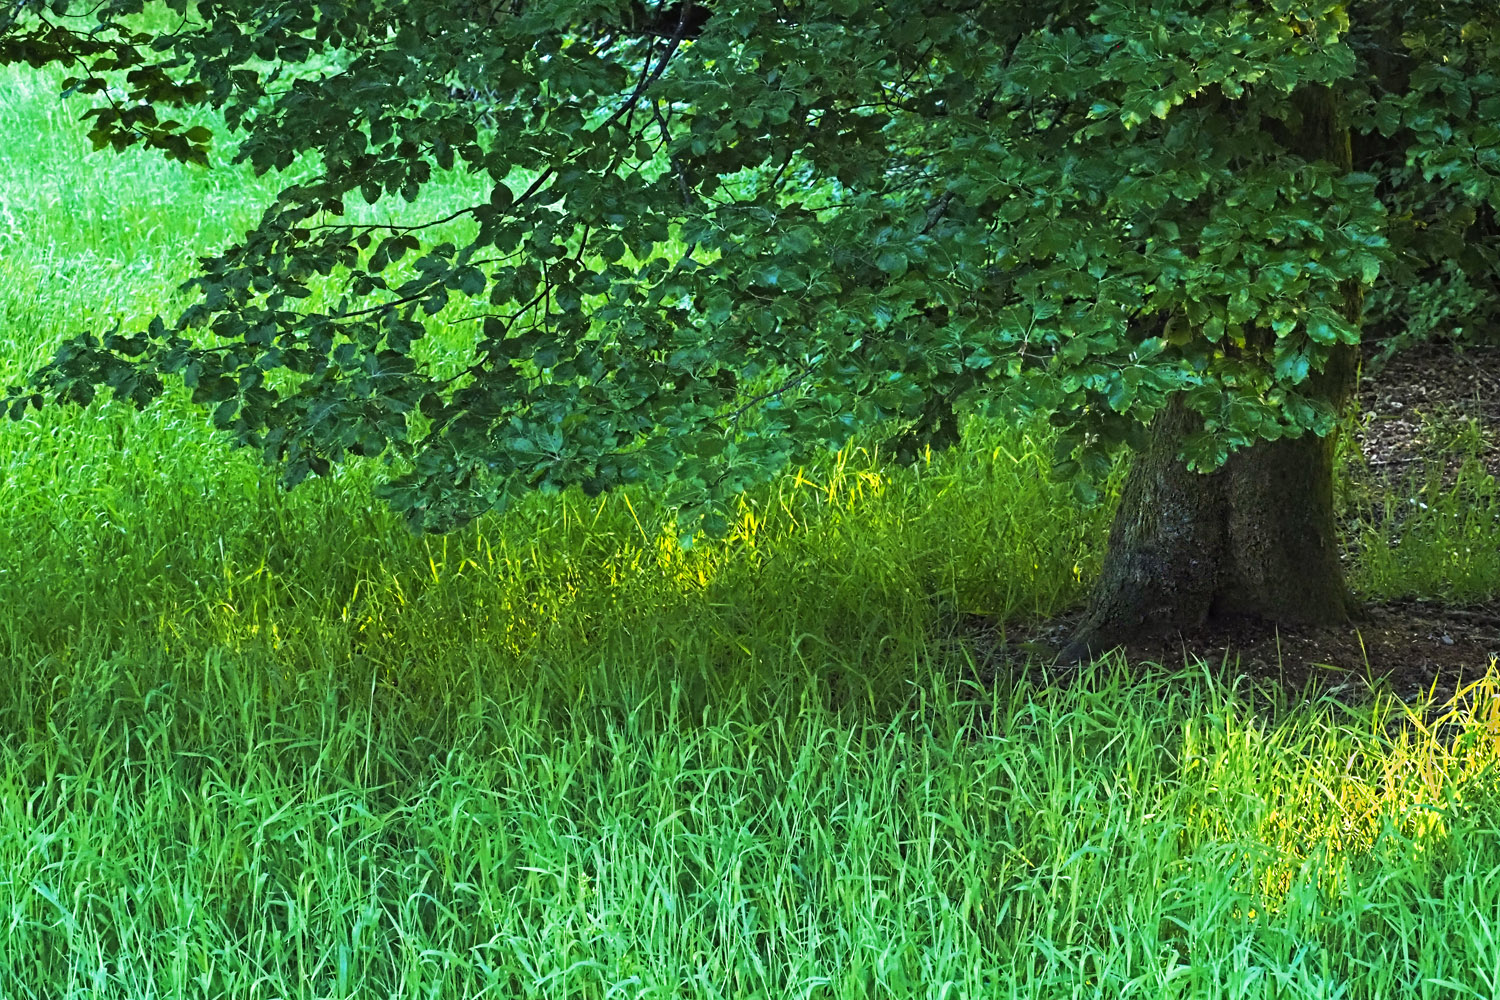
<point x="263" y="744"/>
<point x="1434" y="535"/>
<point x="1124" y="839"/>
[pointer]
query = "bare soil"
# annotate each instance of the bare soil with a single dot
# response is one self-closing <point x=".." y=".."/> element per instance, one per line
<point x="1414" y="649"/>
<point x="1412" y="405"/>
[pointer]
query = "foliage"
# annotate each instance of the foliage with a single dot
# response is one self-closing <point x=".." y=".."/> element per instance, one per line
<point x="717" y="239"/>
<point x="1443" y="278"/>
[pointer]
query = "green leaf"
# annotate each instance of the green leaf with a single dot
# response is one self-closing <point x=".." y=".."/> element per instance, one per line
<point x="691" y="257"/>
<point x="1292" y="367"/>
<point x="892" y="261"/>
<point x="1322" y="326"/>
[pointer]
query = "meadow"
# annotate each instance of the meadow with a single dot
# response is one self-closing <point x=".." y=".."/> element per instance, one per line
<point x="263" y="744"/>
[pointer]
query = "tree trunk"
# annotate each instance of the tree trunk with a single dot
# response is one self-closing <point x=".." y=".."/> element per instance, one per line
<point x="1255" y="539"/>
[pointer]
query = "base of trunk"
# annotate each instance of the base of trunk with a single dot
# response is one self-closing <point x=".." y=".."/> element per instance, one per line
<point x="1256" y="539"/>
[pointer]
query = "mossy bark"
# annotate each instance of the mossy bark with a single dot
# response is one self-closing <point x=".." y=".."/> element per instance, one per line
<point x="1255" y="539"/>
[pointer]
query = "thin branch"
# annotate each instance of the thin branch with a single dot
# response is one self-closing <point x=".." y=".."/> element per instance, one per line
<point x="936" y="212"/>
<point x="391" y="227"/>
<point x="790" y="383"/>
<point x="661" y="65"/>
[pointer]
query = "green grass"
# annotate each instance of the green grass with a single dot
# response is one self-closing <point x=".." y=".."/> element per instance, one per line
<point x="1435" y="535"/>
<point x="1127" y="838"/>
<point x="263" y="744"/>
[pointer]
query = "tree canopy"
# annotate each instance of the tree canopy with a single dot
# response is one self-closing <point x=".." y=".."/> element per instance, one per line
<point x="718" y="237"/>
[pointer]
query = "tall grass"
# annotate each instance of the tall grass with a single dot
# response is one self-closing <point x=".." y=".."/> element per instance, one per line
<point x="1124" y="838"/>
<point x="262" y="744"/>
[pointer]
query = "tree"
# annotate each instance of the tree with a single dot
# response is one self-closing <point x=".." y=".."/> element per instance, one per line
<point x="720" y="236"/>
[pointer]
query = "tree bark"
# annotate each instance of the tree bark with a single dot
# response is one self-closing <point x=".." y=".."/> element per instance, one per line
<point x="1257" y="538"/>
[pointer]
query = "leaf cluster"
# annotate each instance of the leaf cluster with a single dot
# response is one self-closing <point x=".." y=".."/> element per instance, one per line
<point x="718" y="236"/>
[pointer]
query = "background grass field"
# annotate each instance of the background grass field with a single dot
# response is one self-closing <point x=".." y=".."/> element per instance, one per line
<point x="261" y="744"/>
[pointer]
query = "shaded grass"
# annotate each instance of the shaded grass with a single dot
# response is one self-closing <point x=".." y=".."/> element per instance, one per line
<point x="1436" y="534"/>
<point x="270" y="744"/>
